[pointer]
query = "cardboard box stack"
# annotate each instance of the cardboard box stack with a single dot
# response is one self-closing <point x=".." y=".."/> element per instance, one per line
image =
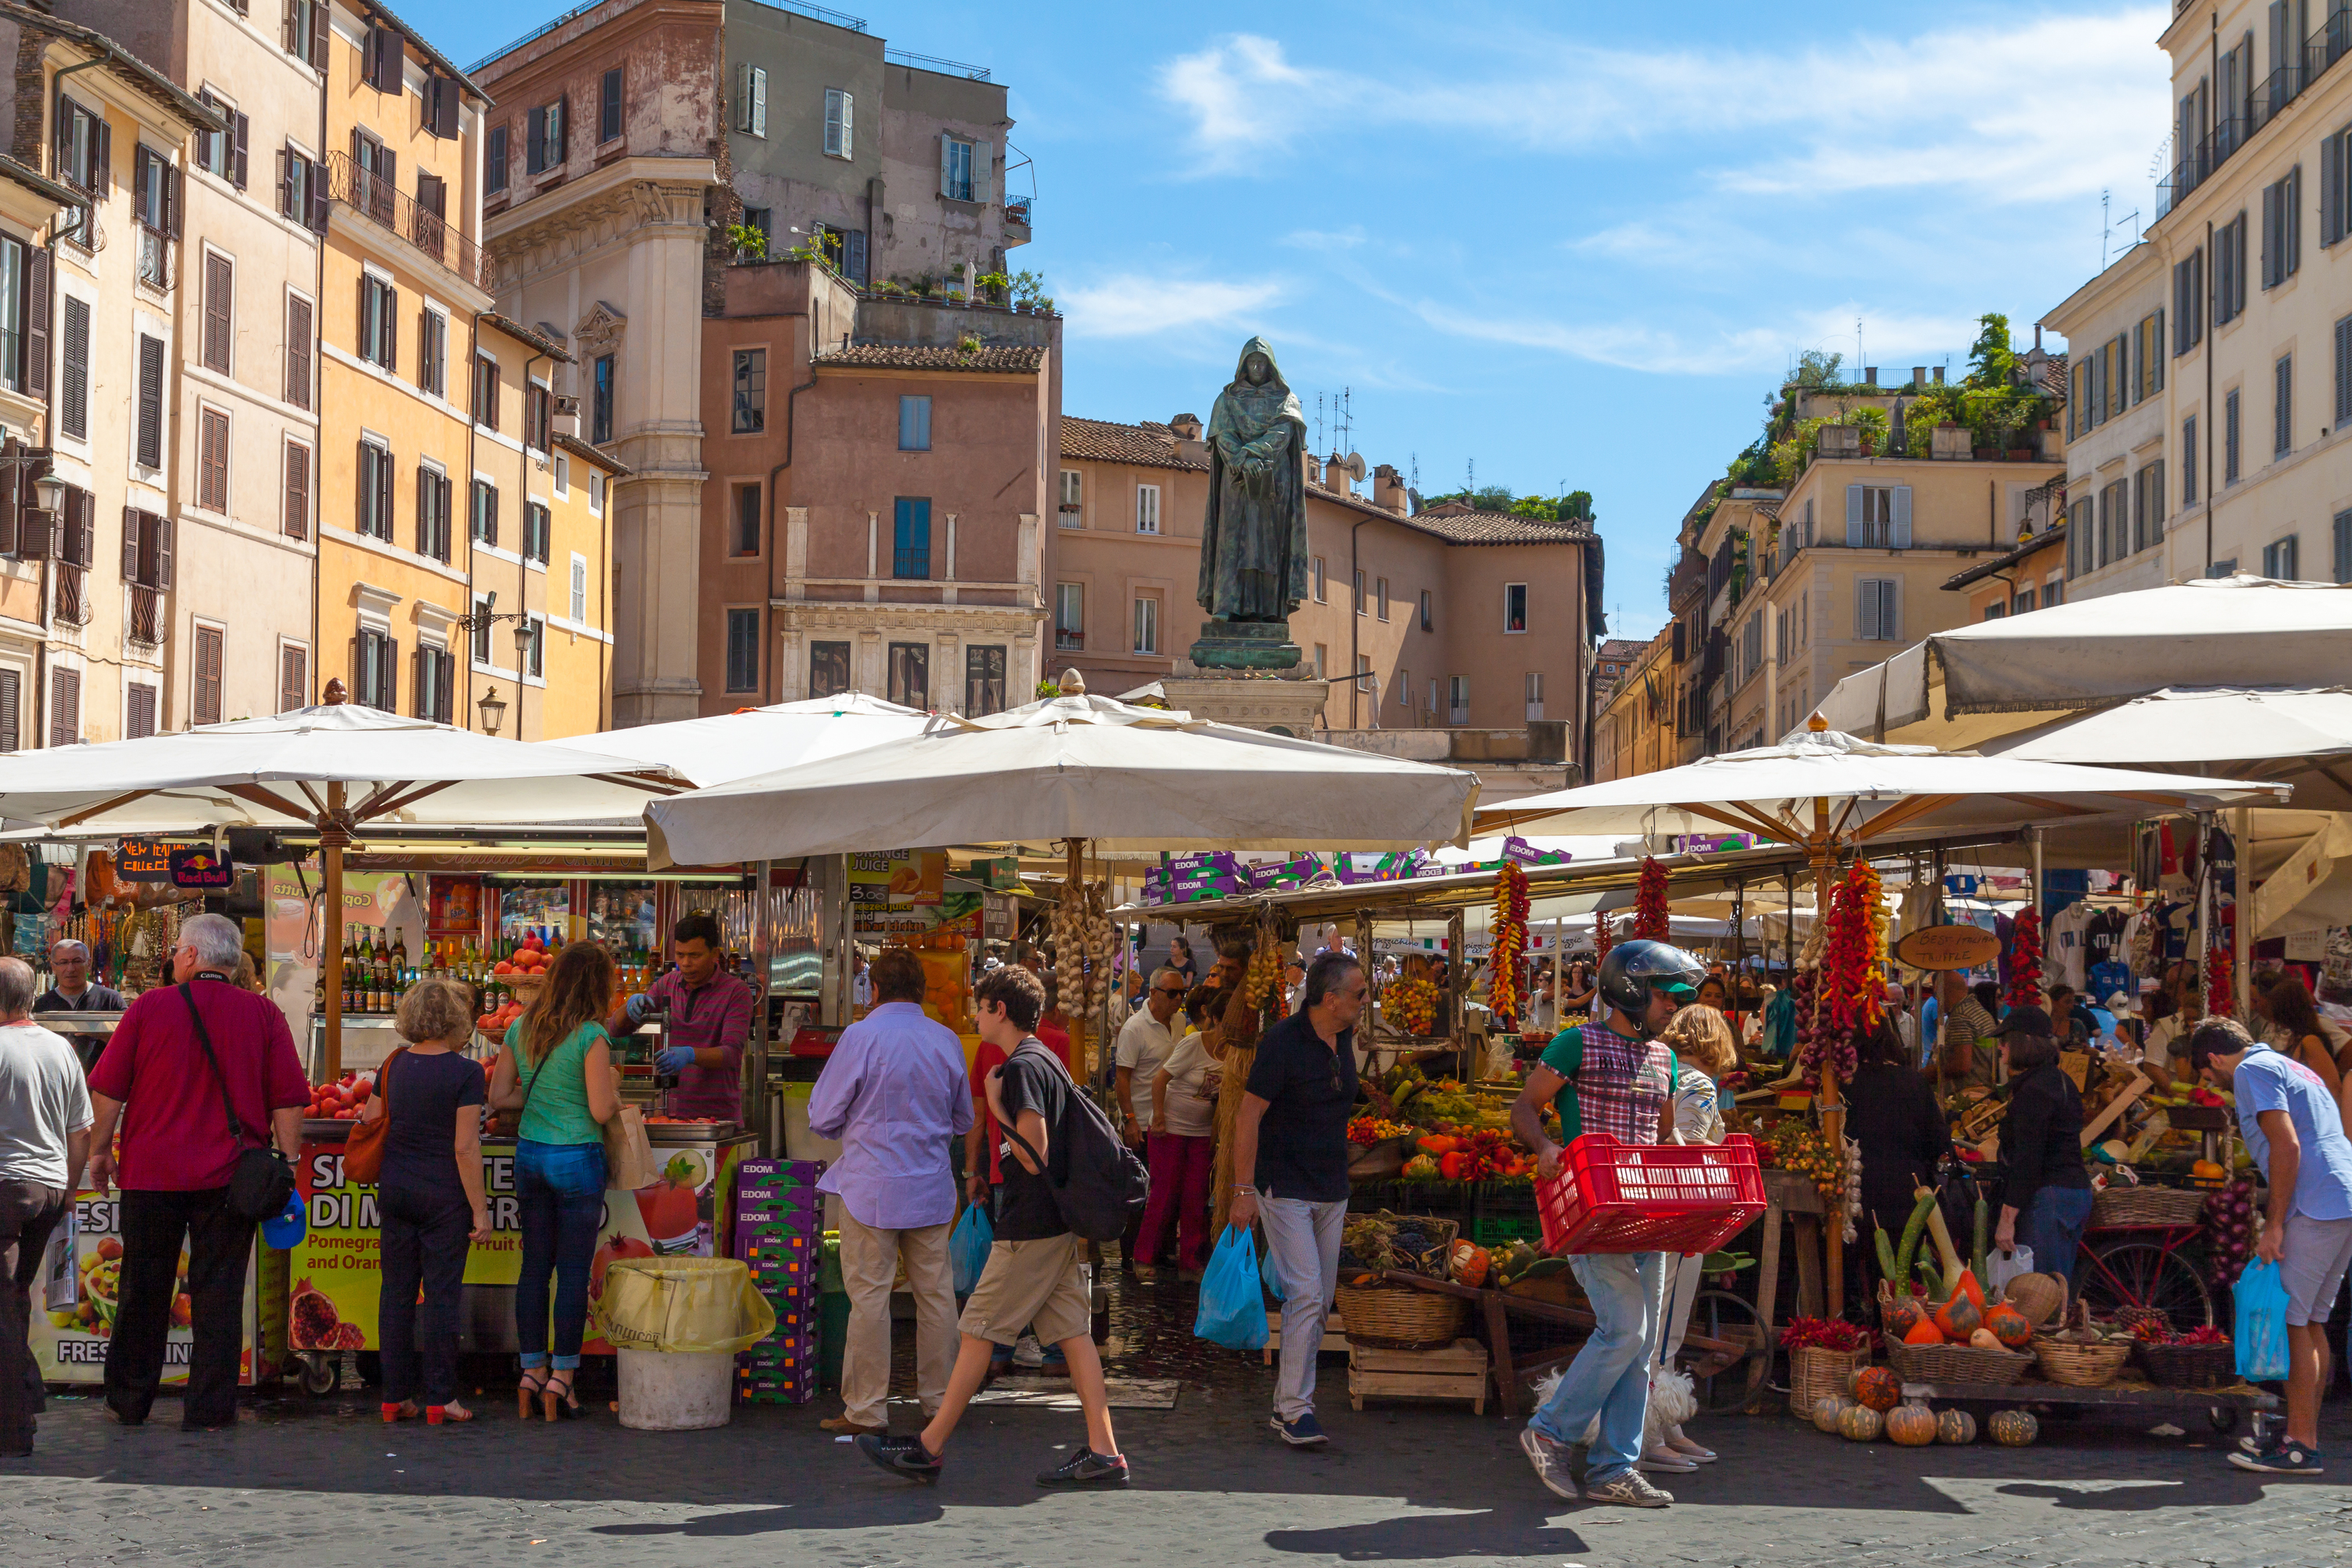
<point x="779" y="1234"/>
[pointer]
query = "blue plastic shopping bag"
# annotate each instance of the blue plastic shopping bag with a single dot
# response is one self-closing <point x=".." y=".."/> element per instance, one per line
<point x="2262" y="1323"/>
<point x="968" y="1246"/>
<point x="1233" y="1311"/>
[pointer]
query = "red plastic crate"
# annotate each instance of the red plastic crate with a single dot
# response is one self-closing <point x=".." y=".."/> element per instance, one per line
<point x="1650" y="1198"/>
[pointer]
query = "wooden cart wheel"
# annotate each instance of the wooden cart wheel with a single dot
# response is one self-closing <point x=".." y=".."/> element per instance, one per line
<point x="1722" y="1384"/>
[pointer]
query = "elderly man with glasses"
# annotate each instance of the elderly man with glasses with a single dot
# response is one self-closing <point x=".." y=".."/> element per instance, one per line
<point x="70" y="989"/>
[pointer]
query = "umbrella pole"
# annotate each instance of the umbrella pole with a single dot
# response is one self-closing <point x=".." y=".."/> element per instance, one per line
<point x="2242" y="930"/>
<point x="1832" y="1109"/>
<point x="1072" y="966"/>
<point x="332" y="836"/>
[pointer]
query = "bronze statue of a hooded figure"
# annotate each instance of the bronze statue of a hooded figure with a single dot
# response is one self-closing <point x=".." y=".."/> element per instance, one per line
<point x="1253" y="541"/>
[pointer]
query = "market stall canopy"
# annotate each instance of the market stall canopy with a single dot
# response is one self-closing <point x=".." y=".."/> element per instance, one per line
<point x="1960" y="687"/>
<point x="1873" y="790"/>
<point x="724" y="747"/>
<point x="2296" y="736"/>
<point x="277" y="772"/>
<point x="1072" y="767"/>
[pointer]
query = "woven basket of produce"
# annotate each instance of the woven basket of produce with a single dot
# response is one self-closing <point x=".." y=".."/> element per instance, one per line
<point x="2213" y="1365"/>
<point x="2080" y="1365"/>
<point x="1815" y="1373"/>
<point x="1956" y="1364"/>
<point x="1401" y="1317"/>
<point x="2143" y="1207"/>
<point x="1378" y="1161"/>
<point x="2038" y="1296"/>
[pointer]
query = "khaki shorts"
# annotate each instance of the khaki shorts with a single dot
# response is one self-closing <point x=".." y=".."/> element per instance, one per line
<point x="1026" y="1283"/>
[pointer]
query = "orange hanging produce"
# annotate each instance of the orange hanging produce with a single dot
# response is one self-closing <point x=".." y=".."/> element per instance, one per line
<point x="1509" y="938"/>
<point x="1652" y="919"/>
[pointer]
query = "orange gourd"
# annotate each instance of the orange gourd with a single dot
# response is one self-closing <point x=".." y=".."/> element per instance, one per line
<point x="1469" y="1261"/>
<point x="2009" y="1326"/>
<point x="1878" y="1387"/>
<point x="1968" y="1287"/>
<point x="1924" y="1332"/>
<point x="1959" y="1317"/>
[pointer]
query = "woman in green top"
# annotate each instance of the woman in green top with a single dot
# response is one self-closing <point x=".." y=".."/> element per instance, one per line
<point x="557" y="1069"/>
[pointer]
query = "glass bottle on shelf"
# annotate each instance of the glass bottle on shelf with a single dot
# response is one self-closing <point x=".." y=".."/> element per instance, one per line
<point x="400" y="950"/>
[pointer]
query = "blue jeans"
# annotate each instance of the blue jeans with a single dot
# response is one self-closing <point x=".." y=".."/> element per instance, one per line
<point x="560" y="1189"/>
<point x="2052" y="1227"/>
<point x="1611" y="1375"/>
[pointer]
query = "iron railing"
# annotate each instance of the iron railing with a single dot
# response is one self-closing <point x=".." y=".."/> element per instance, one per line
<point x="1069" y="640"/>
<point x="147" y="622"/>
<point x="2265" y="102"/>
<point x="378" y="200"/>
<point x="155" y="257"/>
<point x="911" y="563"/>
<point x="1016" y="210"/>
<point x="73" y="596"/>
<point x="933" y="63"/>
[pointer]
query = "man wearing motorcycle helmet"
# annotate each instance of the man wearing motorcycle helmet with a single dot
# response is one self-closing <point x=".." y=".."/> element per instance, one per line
<point x="1614" y="1076"/>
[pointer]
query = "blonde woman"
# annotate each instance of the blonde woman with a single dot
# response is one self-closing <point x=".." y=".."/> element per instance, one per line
<point x="1701" y="1038"/>
<point x="557" y="1070"/>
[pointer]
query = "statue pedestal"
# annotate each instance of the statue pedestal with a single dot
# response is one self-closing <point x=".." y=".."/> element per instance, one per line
<point x="1288" y="703"/>
<point x="1246" y="645"/>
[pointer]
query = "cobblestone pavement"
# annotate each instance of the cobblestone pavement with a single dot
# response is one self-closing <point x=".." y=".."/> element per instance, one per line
<point x="323" y="1483"/>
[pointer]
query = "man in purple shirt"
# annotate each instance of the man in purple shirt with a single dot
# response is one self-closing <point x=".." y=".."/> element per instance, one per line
<point x="706" y="1019"/>
<point x="893" y="1092"/>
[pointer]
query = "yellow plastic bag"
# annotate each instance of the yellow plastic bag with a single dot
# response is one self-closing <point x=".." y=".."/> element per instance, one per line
<point x="682" y="1304"/>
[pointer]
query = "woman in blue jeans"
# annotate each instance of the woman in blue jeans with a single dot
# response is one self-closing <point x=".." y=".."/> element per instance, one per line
<point x="2047" y="1201"/>
<point x="557" y="1069"/>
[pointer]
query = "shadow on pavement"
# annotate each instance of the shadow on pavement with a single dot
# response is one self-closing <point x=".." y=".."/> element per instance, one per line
<point x="1517" y="1530"/>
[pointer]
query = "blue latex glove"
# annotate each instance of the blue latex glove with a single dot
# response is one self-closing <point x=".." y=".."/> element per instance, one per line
<point x="673" y="1058"/>
<point x="637" y="1007"/>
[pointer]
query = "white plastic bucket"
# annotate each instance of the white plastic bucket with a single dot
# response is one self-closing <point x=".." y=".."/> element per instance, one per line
<point x="676" y="1390"/>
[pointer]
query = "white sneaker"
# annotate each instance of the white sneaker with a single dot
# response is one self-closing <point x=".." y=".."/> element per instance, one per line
<point x="1633" y="1490"/>
<point x="1027" y="1351"/>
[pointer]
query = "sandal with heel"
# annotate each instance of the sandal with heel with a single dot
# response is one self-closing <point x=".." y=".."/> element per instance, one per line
<point x="452" y="1413"/>
<point x="527" y="1393"/>
<point x="558" y="1400"/>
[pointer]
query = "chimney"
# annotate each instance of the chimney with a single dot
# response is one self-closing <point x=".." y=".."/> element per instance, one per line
<point x="1335" y="475"/>
<point x="1919" y="375"/>
<point x="2037" y="337"/>
<point x="1187" y="427"/>
<point x="1388" y="491"/>
<point x="1870" y="375"/>
<point x="1939" y="375"/>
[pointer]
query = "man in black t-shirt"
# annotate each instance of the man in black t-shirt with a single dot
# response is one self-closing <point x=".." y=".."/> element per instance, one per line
<point x="1290" y="1141"/>
<point x="1036" y="1267"/>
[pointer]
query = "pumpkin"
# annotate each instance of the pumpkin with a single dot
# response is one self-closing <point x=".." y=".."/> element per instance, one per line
<point x="1924" y="1332"/>
<point x="1861" y="1424"/>
<point x="1827" y="1409"/>
<point x="1955" y="1426"/>
<point x="1878" y="1387"/>
<point x="2012" y="1327"/>
<point x="1913" y="1425"/>
<point x="2014" y="1428"/>
<point x="1899" y="1316"/>
<point x="1468" y="1264"/>
<point x="1959" y="1318"/>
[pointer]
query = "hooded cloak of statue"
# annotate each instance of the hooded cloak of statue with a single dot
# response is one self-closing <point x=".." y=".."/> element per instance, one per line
<point x="1254" y="540"/>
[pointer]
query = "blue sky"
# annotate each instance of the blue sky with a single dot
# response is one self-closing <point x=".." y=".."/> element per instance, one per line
<point x="1576" y="245"/>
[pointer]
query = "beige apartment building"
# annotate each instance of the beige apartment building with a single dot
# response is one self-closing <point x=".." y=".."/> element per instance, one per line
<point x="1445" y="618"/>
<point x="1634" y="732"/>
<point x="2214" y="360"/>
<point x="245" y="410"/>
<point x="100" y="312"/>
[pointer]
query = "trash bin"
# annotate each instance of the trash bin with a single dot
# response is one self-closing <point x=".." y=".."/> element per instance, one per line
<point x="678" y="1324"/>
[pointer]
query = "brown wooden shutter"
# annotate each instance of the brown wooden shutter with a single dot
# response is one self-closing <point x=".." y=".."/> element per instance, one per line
<point x="159" y="528"/>
<point x="35" y="533"/>
<point x="363" y="492"/>
<point x="37" y="322"/>
<point x="65" y="706"/>
<point x="87" y="531"/>
<point x="317" y="181"/>
<point x="132" y="553"/>
<point x="298" y="490"/>
<point x="73" y="389"/>
<point x="151" y="401"/>
<point x="319" y="34"/>
<point x="206" y="696"/>
<point x="392" y="329"/>
<point x="289" y="36"/>
<point x="12" y="702"/>
<point x="12" y="498"/>
<point x="139" y="711"/>
<point x="101" y="178"/>
<point x="139" y="159"/>
<point x="240" y="158"/>
<point x="298" y="352"/>
<point x="293" y="679"/>
<point x="383" y="494"/>
<point x="220" y="282"/>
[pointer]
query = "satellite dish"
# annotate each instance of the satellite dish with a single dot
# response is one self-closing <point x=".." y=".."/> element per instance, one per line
<point x="1353" y="466"/>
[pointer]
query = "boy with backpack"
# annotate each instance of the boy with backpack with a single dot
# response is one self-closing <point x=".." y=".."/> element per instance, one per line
<point x="1035" y="1272"/>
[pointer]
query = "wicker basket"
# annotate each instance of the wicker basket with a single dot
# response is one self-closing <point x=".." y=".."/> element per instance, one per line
<point x="2143" y="1207"/>
<point x="1956" y="1364"/>
<point x="2081" y="1366"/>
<point x="1816" y="1373"/>
<point x="1377" y="1161"/>
<point x="2039" y="1295"/>
<point x="2189" y="1366"/>
<point x="1401" y="1317"/>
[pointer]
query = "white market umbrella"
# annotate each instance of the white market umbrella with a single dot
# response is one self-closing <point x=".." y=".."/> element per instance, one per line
<point x="724" y="747"/>
<point x="2300" y="736"/>
<point x="335" y="769"/>
<point x="1073" y="767"/>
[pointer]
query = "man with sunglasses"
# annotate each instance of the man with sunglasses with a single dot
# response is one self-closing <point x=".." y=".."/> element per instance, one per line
<point x="1146" y="1040"/>
<point x="1291" y="1141"/>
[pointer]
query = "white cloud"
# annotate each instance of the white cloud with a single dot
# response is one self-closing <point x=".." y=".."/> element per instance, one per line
<point x="2051" y="106"/>
<point x="1722" y="351"/>
<point x="1130" y="305"/>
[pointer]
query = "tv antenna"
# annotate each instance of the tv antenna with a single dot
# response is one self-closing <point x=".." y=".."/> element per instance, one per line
<point x="1318" y="422"/>
<point x="2108" y="224"/>
<point x="1343" y="418"/>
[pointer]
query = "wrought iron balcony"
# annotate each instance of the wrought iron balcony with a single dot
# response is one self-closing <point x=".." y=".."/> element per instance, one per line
<point x="2268" y="100"/>
<point x="378" y="200"/>
<point x="147" y="622"/>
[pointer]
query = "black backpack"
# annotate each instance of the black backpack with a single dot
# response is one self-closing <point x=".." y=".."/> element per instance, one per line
<point x="1099" y="1184"/>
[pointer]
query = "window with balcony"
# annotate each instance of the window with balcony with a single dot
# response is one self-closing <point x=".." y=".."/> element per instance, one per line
<point x="1070" y="617"/>
<point x="911" y="673"/>
<point x="742" y="650"/>
<point x="751" y="391"/>
<point x="1878" y="516"/>
<point x="828" y="668"/>
<point x="1073" y="512"/>
<point x="914" y="424"/>
<point x="1515" y="607"/>
<point x="910" y="537"/>
<point x="544" y="137"/>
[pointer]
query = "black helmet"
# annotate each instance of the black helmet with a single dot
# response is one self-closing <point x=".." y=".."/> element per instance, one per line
<point x="1633" y="968"/>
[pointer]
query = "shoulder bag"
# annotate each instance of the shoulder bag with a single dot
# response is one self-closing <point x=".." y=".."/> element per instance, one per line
<point x="261" y="1182"/>
<point x="364" y="1149"/>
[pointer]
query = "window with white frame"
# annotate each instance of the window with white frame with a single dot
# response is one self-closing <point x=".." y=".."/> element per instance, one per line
<point x="1315" y="580"/>
<point x="751" y="100"/>
<point x="535" y="649"/>
<point x="579" y="589"/>
<point x="595" y="495"/>
<point x="915" y="423"/>
<point x="1515" y="607"/>
<point x="840" y="114"/>
<point x="1146" y="509"/>
<point x="1073" y="498"/>
<point x="1457" y="699"/>
<point x="1070" y="616"/>
<point x="1878" y="516"/>
<point x="1381" y="597"/>
<point x="1535" y="689"/>
<point x="1147" y="623"/>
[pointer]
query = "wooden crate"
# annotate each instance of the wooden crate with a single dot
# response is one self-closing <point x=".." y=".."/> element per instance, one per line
<point x="1456" y="1371"/>
<point x="1335" y="1334"/>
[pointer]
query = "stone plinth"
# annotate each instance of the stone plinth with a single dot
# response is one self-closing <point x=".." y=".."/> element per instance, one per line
<point x="1246" y="645"/>
<point x="1287" y="704"/>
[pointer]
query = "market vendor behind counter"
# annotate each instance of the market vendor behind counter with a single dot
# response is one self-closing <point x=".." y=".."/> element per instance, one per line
<point x="705" y="1017"/>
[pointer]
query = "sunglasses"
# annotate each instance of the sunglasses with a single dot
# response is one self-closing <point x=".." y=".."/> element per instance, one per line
<point x="1168" y="990"/>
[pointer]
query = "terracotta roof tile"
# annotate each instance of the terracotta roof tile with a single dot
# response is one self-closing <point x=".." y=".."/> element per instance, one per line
<point x="1016" y="359"/>
<point x="1147" y="444"/>
<point x="1496" y="528"/>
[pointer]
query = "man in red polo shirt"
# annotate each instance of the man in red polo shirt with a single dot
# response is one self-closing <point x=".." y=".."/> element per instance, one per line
<point x="706" y="1019"/>
<point x="176" y="1159"/>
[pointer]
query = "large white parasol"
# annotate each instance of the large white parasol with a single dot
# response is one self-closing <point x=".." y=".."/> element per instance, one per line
<point x="724" y="747"/>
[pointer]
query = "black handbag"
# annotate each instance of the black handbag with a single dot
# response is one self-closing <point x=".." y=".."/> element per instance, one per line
<point x="262" y="1181"/>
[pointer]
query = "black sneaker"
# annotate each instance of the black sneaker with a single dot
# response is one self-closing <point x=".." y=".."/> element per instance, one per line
<point x="1086" y="1469"/>
<point x="902" y="1456"/>
<point x="1303" y="1433"/>
<point x="2287" y="1458"/>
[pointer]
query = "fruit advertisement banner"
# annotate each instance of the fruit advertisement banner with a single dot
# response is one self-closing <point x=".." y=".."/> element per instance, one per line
<point x="335" y="1280"/>
<point x="70" y="1343"/>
